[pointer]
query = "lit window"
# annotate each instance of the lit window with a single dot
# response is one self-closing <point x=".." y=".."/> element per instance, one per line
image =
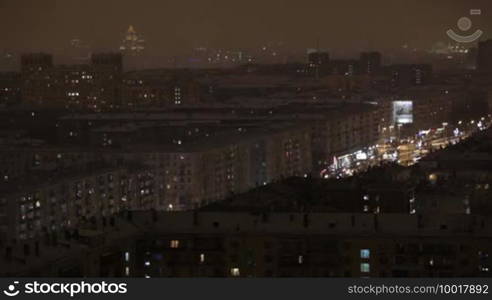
<point x="174" y="244"/>
<point x="365" y="268"/>
<point x="432" y="178"/>
<point x="300" y="259"/>
<point x="365" y="253"/>
<point x="202" y="258"/>
<point x="127" y="271"/>
<point x="235" y="272"/>
<point x="127" y="256"/>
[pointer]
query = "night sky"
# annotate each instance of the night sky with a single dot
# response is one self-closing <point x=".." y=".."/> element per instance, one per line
<point x="172" y="26"/>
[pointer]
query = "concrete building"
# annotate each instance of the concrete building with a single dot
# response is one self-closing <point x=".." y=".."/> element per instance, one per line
<point x="95" y="86"/>
<point x="159" y="90"/>
<point x="370" y="62"/>
<point x="407" y="75"/>
<point x="10" y="84"/>
<point x="215" y="244"/>
<point x="53" y="201"/>
<point x="199" y="163"/>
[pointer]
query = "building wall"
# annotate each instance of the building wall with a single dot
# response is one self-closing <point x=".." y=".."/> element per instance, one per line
<point x="62" y="204"/>
<point x="95" y="86"/>
<point x="343" y="135"/>
<point x="168" y="93"/>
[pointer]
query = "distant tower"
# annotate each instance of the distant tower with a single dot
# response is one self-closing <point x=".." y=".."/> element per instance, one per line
<point x="132" y="44"/>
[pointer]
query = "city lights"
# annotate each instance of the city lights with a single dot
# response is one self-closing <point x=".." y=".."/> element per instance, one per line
<point x="231" y="141"/>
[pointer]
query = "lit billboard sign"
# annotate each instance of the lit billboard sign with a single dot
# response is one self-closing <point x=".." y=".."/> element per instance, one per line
<point x="403" y="112"/>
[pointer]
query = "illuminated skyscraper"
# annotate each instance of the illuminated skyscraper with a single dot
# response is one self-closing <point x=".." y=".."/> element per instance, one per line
<point x="132" y="44"/>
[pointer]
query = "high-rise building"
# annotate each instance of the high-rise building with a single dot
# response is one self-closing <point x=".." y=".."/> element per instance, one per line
<point x="370" y="62"/>
<point x="132" y="44"/>
<point x="9" y="88"/>
<point x="346" y="67"/>
<point x="484" y="58"/>
<point x="407" y="75"/>
<point x="318" y="62"/>
<point x="65" y="199"/>
<point x="176" y="89"/>
<point x="36" y="62"/>
<point x="319" y="58"/>
<point x="93" y="86"/>
<point x="113" y="61"/>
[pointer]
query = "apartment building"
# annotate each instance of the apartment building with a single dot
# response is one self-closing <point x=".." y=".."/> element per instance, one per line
<point x="94" y="86"/>
<point x="51" y="200"/>
<point x="215" y="244"/>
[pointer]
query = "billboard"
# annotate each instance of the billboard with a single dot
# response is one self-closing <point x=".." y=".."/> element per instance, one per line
<point x="402" y="112"/>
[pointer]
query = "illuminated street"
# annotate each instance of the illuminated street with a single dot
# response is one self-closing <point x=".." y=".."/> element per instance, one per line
<point x="253" y="139"/>
<point x="405" y="152"/>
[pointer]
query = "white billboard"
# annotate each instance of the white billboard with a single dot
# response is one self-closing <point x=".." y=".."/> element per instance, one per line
<point x="402" y="112"/>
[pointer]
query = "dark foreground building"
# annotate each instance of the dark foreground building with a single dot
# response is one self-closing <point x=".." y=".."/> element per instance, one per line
<point x="211" y="244"/>
<point x="431" y="220"/>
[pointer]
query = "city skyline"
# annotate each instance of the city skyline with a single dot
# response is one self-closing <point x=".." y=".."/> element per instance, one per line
<point x="257" y="139"/>
<point x="176" y="27"/>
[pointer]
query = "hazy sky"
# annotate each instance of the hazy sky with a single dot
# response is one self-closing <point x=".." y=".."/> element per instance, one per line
<point x="171" y="26"/>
